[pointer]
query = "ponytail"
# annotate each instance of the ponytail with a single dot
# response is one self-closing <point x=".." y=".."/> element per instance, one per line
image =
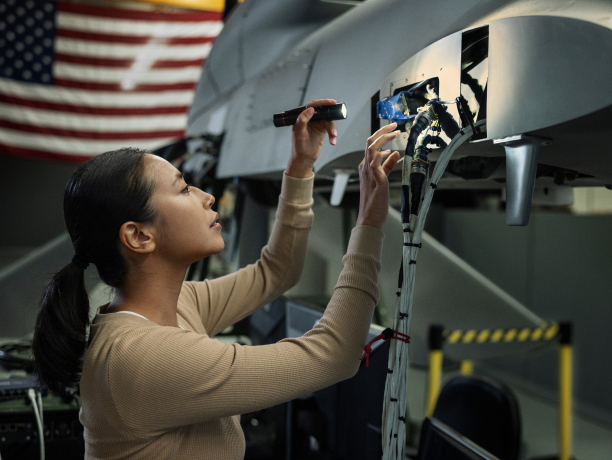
<point x="59" y="334"/>
<point x="102" y="194"/>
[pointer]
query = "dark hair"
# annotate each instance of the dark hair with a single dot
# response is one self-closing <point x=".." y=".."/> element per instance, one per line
<point x="102" y="194"/>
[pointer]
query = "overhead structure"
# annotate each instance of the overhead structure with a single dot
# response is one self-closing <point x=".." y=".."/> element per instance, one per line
<point x="532" y="70"/>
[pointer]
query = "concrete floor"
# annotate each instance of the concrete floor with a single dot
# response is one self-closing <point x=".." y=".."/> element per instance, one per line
<point x="591" y="440"/>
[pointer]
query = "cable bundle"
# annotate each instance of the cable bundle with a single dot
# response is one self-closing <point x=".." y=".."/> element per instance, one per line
<point x="418" y="187"/>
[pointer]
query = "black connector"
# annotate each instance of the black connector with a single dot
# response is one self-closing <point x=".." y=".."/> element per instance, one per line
<point x="417" y="179"/>
<point x="421" y="122"/>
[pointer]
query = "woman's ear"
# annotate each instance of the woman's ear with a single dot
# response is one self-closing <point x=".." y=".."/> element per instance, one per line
<point x="137" y="237"/>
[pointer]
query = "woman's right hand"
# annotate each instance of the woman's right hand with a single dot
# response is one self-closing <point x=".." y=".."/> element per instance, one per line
<point x="373" y="178"/>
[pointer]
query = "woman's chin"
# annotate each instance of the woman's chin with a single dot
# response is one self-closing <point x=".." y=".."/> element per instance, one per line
<point x="210" y="251"/>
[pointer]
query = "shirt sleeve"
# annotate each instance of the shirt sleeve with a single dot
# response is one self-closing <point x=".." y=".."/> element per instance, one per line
<point x="224" y="301"/>
<point x="162" y="378"/>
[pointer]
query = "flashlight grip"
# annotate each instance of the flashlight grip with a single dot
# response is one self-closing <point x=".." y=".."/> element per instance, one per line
<point x="322" y="113"/>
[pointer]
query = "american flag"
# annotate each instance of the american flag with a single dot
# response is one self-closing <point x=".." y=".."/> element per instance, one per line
<point x="78" y="79"/>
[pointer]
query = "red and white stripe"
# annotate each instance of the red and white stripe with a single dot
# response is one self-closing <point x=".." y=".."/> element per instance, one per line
<point x="122" y="77"/>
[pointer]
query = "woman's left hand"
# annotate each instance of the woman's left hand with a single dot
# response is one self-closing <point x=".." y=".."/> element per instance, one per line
<point x="307" y="139"/>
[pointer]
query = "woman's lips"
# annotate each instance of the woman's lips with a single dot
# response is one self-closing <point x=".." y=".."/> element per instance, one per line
<point x="215" y="224"/>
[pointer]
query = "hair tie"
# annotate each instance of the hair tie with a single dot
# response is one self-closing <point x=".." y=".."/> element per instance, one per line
<point x="82" y="264"/>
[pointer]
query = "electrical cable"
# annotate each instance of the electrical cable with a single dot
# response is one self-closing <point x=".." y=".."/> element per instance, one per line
<point x="40" y="407"/>
<point x="38" y="415"/>
<point x="394" y="404"/>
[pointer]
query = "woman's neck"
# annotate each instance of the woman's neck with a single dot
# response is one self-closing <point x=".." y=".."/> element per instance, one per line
<point x="154" y="296"/>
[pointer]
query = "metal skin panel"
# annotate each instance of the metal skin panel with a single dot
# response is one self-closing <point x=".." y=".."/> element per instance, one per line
<point x="254" y="37"/>
<point x="442" y="59"/>
<point x="291" y="75"/>
<point x="544" y="71"/>
<point x="360" y="49"/>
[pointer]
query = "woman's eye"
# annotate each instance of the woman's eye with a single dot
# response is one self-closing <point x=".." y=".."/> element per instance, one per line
<point x="186" y="189"/>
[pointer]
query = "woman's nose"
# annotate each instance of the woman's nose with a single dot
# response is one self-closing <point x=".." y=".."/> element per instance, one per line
<point x="209" y="200"/>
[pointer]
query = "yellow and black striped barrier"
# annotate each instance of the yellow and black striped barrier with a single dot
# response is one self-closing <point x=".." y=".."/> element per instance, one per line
<point x="545" y="333"/>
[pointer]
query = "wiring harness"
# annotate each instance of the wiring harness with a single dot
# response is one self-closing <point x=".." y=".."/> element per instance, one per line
<point x="418" y="186"/>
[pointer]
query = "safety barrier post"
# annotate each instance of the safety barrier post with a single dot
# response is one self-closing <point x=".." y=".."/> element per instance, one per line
<point x="565" y="391"/>
<point x="434" y="377"/>
<point x="466" y="367"/>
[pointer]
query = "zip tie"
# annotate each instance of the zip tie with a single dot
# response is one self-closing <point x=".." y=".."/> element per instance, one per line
<point x="433" y="186"/>
<point x="389" y="371"/>
<point x="413" y="245"/>
<point x="403" y="315"/>
<point x="385" y="335"/>
<point x="393" y="400"/>
<point x="406" y="230"/>
<point x="403" y="419"/>
<point x="412" y="262"/>
<point x="398" y="293"/>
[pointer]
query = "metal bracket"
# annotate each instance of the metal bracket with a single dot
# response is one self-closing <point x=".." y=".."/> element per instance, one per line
<point x="521" y="166"/>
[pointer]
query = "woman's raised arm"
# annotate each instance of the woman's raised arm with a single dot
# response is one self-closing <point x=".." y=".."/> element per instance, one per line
<point x="224" y="301"/>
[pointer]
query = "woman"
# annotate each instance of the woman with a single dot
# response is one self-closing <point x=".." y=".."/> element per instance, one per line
<point x="154" y="384"/>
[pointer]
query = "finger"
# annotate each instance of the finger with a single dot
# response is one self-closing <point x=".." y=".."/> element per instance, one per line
<point x="385" y="129"/>
<point x="321" y="102"/>
<point x="378" y="157"/>
<point x="377" y="145"/>
<point x="332" y="132"/>
<point x="302" y="122"/>
<point x="390" y="163"/>
<point x="375" y="165"/>
<point x="381" y="140"/>
<point x="384" y="139"/>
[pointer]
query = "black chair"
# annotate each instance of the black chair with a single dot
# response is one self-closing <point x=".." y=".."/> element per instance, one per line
<point x="484" y="411"/>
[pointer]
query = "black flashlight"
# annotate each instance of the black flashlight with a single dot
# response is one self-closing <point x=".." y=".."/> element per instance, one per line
<point x="323" y="113"/>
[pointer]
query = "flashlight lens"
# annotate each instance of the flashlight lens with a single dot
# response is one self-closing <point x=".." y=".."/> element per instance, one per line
<point x="343" y="110"/>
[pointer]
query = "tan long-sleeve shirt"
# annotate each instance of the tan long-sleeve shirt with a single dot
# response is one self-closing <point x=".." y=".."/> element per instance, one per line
<point x="161" y="392"/>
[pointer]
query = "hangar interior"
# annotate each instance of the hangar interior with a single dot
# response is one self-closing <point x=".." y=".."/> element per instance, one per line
<point x="516" y="239"/>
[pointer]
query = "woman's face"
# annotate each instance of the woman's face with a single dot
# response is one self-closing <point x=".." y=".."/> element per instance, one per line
<point x="186" y="226"/>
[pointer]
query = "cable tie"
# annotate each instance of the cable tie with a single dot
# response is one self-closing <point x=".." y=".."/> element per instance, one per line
<point x="398" y="293"/>
<point x="395" y="435"/>
<point x="385" y="335"/>
<point x="389" y="371"/>
<point x="403" y="315"/>
<point x="412" y="262"/>
<point x="407" y="230"/>
<point x="413" y="245"/>
<point x="393" y="400"/>
<point x="433" y="186"/>
<point x="403" y="419"/>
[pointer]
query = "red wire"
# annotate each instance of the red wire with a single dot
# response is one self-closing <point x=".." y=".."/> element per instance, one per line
<point x="387" y="334"/>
